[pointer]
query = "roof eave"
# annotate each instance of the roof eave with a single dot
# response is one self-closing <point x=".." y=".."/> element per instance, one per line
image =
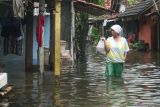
<point x="91" y="8"/>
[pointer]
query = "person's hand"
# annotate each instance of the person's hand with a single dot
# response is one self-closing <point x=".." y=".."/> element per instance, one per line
<point x="103" y="38"/>
<point x="108" y="45"/>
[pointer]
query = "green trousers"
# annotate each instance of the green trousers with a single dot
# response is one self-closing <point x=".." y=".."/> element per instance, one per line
<point x="113" y="69"/>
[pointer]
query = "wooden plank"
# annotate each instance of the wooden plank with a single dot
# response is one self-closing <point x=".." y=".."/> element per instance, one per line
<point x="29" y="40"/>
<point x="5" y="90"/>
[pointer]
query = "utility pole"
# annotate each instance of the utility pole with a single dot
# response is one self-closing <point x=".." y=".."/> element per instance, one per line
<point x="72" y="31"/>
<point x="29" y="39"/>
<point x="55" y="26"/>
<point x="57" y="30"/>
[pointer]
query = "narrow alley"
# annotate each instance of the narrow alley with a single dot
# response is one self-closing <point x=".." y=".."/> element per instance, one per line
<point x="48" y="53"/>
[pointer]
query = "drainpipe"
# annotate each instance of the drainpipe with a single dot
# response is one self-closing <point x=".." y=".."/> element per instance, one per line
<point x="73" y="56"/>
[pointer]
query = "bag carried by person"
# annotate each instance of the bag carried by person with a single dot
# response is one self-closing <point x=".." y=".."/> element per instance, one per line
<point x="100" y="48"/>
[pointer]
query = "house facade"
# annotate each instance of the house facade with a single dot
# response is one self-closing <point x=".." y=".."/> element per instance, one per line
<point x="142" y="21"/>
<point x="60" y="27"/>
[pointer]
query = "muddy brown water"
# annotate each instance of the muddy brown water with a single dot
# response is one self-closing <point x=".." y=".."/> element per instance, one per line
<point x="84" y="84"/>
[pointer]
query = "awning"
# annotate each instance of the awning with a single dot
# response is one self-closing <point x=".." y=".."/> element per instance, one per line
<point x="90" y="8"/>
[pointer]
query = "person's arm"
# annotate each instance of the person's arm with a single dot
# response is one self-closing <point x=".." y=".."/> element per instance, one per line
<point x="125" y="55"/>
<point x="126" y="49"/>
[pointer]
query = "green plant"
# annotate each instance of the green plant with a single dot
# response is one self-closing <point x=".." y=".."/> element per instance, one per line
<point x="135" y="45"/>
<point x="94" y="36"/>
<point x="101" y="2"/>
<point x="133" y="2"/>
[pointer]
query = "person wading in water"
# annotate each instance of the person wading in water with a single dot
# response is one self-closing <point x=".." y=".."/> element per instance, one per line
<point x="116" y="51"/>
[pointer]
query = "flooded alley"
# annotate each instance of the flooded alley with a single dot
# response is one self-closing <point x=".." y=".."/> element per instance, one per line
<point x="48" y="54"/>
<point x="84" y="84"/>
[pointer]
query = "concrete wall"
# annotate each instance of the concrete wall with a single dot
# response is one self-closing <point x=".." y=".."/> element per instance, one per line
<point x="11" y="57"/>
<point x="46" y="36"/>
<point x="145" y="31"/>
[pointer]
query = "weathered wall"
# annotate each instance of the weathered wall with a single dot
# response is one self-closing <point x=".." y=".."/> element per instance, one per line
<point x="145" y="31"/>
<point x="46" y="36"/>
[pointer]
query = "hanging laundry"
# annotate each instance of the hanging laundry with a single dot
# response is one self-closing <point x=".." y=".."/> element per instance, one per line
<point x="18" y="8"/>
<point x="39" y="30"/>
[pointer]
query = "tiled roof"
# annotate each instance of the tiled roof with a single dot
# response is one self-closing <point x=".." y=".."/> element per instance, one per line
<point x="137" y="9"/>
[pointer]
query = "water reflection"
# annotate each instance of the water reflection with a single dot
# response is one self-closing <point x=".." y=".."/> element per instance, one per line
<point x="141" y="76"/>
<point x="29" y="86"/>
<point x="35" y="91"/>
<point x="57" y="93"/>
<point x="116" y="92"/>
<point x="84" y="84"/>
<point x="143" y="57"/>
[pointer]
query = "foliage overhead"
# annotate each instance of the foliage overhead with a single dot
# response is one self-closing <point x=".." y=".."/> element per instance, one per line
<point x="133" y="2"/>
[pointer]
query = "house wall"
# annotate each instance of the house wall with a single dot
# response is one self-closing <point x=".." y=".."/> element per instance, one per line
<point x="12" y="60"/>
<point x="46" y="36"/>
<point x="145" y="31"/>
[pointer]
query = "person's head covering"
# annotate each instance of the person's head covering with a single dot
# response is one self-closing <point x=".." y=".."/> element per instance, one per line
<point x="117" y="29"/>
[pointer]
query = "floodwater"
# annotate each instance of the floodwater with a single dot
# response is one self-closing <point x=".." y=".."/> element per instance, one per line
<point x="84" y="84"/>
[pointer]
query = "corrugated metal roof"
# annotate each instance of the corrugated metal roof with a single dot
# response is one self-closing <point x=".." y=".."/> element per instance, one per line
<point x="137" y="9"/>
<point x="91" y="8"/>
